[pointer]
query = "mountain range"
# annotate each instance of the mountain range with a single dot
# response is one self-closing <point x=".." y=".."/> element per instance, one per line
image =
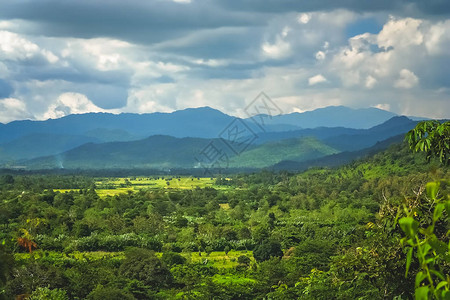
<point x="175" y="140"/>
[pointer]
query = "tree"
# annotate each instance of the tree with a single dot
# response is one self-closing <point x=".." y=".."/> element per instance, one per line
<point x="426" y="222"/>
<point x="433" y="138"/>
<point x="26" y="241"/>
<point x="6" y="263"/>
<point x="45" y="293"/>
<point x="266" y="250"/>
<point x="101" y="293"/>
<point x="143" y="265"/>
<point x="172" y="258"/>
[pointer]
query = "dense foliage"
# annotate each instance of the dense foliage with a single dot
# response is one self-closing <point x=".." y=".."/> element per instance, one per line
<point x="321" y="234"/>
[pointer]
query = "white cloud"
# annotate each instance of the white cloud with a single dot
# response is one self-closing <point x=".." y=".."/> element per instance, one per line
<point x="320" y="55"/>
<point x="383" y="106"/>
<point x="304" y="18"/>
<point x="407" y="80"/>
<point x="13" y="109"/>
<point x="288" y="56"/>
<point x="370" y="82"/>
<point x="278" y="50"/>
<point x="316" y="79"/>
<point x="437" y="41"/>
<point x="15" y="47"/>
<point x="401" y="33"/>
<point x="70" y="103"/>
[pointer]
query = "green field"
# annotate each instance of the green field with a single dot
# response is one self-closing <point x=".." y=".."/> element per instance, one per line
<point x="217" y="259"/>
<point x="114" y="186"/>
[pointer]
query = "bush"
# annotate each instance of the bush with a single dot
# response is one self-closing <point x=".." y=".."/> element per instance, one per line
<point x="102" y="293"/>
<point x="46" y="293"/>
<point x="172" y="258"/>
<point x="266" y="250"/>
<point x="244" y="260"/>
<point x="143" y="265"/>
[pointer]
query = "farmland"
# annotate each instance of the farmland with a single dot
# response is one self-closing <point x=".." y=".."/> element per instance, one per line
<point x="115" y="186"/>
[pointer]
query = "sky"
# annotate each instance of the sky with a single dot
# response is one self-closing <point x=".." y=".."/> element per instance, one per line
<point x="60" y="57"/>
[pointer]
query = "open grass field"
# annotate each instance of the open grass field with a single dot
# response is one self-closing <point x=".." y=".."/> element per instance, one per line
<point x="114" y="186"/>
<point x="217" y="259"/>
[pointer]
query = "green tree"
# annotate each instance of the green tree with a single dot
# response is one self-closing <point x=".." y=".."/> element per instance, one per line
<point x="172" y="258"/>
<point x="143" y="265"/>
<point x="6" y="264"/>
<point x="266" y="250"/>
<point x="102" y="293"/>
<point x="433" y="138"/>
<point x="44" y="293"/>
<point x="424" y="239"/>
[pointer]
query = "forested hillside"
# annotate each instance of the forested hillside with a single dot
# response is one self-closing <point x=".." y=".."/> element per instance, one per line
<point x="321" y="234"/>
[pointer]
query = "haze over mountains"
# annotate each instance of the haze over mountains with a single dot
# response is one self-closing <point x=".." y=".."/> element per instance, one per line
<point x="174" y="140"/>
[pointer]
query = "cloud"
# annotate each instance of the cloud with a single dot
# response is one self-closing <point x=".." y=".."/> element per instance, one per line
<point x="61" y="57"/>
<point x="304" y="18"/>
<point x="370" y="82"/>
<point x="407" y="80"/>
<point x="12" y="109"/>
<point x="278" y="50"/>
<point x="14" y="47"/>
<point x="320" y="55"/>
<point x="383" y="106"/>
<point x="316" y="79"/>
<point x="70" y="103"/>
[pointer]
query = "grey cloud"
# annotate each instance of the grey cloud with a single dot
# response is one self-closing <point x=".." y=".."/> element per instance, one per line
<point x="136" y="21"/>
<point x="420" y="7"/>
<point x="5" y="89"/>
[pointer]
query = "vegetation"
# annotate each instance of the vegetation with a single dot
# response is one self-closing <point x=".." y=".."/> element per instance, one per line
<point x="374" y="229"/>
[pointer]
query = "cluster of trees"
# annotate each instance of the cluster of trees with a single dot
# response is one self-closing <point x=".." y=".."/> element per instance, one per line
<point x="321" y="234"/>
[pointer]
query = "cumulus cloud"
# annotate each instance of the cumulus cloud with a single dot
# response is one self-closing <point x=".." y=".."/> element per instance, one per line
<point x="407" y="79"/>
<point x="13" y="109"/>
<point x="279" y="49"/>
<point x="316" y="79"/>
<point x="168" y="55"/>
<point x="15" y="47"/>
<point x="70" y="103"/>
<point x="304" y="18"/>
<point x="320" y="55"/>
<point x="370" y="82"/>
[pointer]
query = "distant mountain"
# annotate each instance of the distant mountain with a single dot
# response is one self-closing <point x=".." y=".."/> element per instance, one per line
<point x="170" y="152"/>
<point x="346" y="139"/>
<point x="111" y="135"/>
<point x="160" y="152"/>
<point x="154" y="152"/>
<point x="334" y="116"/>
<point x="338" y="159"/>
<point x="41" y="144"/>
<point x="268" y="154"/>
<point x="199" y="122"/>
<point x="202" y="122"/>
<point x="25" y="140"/>
<point x="369" y="137"/>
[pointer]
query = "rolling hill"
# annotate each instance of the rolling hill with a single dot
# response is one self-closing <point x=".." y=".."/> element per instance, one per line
<point x="270" y="153"/>
<point x="334" y="116"/>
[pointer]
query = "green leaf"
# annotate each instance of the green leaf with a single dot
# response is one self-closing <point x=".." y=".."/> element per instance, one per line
<point x="439" y="209"/>
<point x="441" y="284"/>
<point x="437" y="274"/>
<point x="437" y="245"/>
<point x="432" y="189"/>
<point x="420" y="277"/>
<point x="408" y="260"/>
<point x="409" y="226"/>
<point x="445" y="295"/>
<point x="422" y="293"/>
